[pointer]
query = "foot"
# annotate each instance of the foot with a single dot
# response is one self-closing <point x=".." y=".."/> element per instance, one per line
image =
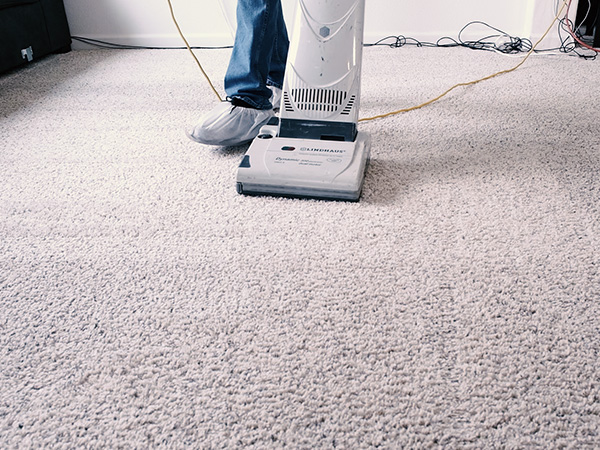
<point x="229" y="125"/>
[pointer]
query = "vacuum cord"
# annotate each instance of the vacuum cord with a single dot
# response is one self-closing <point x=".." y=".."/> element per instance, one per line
<point x="565" y="4"/>
<point x="190" y="50"/>
<point x="470" y="83"/>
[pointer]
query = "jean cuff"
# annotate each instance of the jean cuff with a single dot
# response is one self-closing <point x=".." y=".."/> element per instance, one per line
<point x="251" y="103"/>
<point x="273" y="84"/>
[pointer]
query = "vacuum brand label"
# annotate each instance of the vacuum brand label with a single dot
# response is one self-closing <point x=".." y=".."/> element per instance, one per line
<point x="328" y="151"/>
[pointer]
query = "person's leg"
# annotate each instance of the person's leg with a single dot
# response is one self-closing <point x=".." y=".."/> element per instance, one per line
<point x="278" y="61"/>
<point x="280" y="52"/>
<point x="258" y="60"/>
<point x="259" y="53"/>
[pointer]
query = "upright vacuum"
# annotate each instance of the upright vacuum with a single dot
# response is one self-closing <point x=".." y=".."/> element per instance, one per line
<point x="314" y="148"/>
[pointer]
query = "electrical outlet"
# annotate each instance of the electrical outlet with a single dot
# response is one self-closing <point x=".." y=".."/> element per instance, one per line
<point x="27" y="53"/>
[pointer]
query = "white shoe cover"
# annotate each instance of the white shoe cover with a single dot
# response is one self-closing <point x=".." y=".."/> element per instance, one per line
<point x="229" y="125"/>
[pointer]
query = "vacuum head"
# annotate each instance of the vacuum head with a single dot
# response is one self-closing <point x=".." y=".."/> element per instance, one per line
<point x="293" y="167"/>
<point x="314" y="148"/>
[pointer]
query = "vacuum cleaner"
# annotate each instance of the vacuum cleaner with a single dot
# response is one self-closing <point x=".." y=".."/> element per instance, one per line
<point x="314" y="149"/>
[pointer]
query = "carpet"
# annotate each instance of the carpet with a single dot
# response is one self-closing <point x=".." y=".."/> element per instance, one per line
<point x="145" y="304"/>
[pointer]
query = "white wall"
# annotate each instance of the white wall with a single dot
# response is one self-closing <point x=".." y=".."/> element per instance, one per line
<point x="148" y="22"/>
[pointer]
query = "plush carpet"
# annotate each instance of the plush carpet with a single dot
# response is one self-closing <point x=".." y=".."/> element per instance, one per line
<point x="144" y="303"/>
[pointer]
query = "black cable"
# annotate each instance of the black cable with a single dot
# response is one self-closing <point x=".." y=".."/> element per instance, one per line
<point x="116" y="46"/>
<point x="509" y="45"/>
<point x="569" y="45"/>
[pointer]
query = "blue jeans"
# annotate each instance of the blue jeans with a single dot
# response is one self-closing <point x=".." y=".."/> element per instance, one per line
<point x="259" y="52"/>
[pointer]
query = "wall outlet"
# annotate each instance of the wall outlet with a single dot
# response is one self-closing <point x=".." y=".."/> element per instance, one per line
<point x="27" y="53"/>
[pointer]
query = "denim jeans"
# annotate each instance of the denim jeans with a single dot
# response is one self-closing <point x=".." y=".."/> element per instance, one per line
<point x="259" y="52"/>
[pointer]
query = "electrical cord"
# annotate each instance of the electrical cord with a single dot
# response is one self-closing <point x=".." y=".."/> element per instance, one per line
<point x="502" y="42"/>
<point x="117" y="46"/>
<point x="570" y="44"/>
<point x="574" y="35"/>
<point x="587" y="13"/>
<point x="192" y="53"/>
<point x="470" y="83"/>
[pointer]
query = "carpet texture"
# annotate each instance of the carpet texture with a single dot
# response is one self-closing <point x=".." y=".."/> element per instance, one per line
<point x="144" y="303"/>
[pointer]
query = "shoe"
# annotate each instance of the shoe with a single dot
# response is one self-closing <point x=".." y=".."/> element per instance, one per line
<point x="229" y="125"/>
<point x="275" y="98"/>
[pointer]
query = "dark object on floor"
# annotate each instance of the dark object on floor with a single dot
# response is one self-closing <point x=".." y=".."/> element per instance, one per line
<point x="30" y="29"/>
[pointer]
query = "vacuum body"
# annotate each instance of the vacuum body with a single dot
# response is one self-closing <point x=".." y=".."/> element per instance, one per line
<point x="314" y="149"/>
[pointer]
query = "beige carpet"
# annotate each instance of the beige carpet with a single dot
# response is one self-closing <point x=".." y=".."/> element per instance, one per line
<point x="144" y="303"/>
